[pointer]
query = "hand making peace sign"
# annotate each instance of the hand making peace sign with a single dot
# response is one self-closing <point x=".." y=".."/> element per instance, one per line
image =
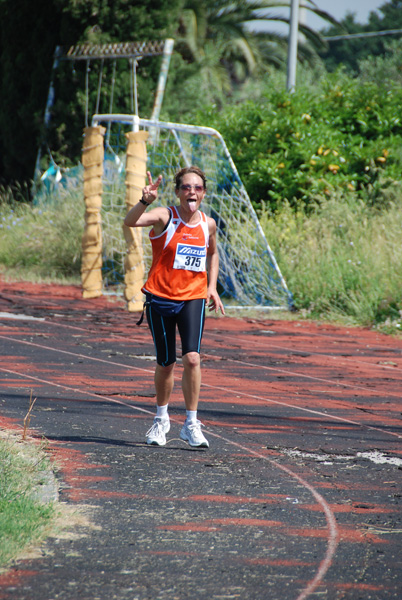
<point x="150" y="191"/>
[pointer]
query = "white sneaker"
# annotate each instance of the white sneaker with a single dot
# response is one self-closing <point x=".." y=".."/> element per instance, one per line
<point x="156" y="435"/>
<point x="191" y="433"/>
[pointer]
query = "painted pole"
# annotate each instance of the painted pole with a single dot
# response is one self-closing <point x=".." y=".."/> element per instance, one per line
<point x="292" y="47"/>
<point x="160" y="90"/>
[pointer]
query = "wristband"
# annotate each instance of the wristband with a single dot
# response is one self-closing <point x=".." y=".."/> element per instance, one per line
<point x="144" y="202"/>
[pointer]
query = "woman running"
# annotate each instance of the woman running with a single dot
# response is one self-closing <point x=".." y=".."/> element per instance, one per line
<point x="181" y="282"/>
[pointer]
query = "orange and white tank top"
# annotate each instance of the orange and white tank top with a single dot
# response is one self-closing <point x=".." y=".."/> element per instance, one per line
<point x="179" y="256"/>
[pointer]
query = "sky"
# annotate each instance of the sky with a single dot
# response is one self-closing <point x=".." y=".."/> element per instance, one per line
<point x="339" y="8"/>
<point x="336" y="8"/>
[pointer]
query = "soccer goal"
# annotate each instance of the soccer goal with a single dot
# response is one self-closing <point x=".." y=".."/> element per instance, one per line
<point x="249" y="274"/>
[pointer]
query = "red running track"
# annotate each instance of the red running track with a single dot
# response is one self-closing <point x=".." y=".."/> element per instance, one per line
<point x="300" y="490"/>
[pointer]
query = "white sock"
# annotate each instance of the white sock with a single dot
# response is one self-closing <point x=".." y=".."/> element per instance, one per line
<point x="162" y="411"/>
<point x="191" y="416"/>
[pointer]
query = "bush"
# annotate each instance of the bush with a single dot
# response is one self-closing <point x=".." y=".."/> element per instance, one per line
<point x="346" y="135"/>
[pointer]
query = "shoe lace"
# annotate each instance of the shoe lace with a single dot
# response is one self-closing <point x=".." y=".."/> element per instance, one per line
<point x="156" y="429"/>
<point x="195" y="428"/>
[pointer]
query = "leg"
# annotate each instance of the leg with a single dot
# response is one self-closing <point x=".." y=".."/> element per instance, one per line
<point x="164" y="381"/>
<point x="164" y="335"/>
<point x="191" y="325"/>
<point x="191" y="381"/>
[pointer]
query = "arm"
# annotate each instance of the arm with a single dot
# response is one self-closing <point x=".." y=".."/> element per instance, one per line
<point x="156" y="218"/>
<point x="213" y="300"/>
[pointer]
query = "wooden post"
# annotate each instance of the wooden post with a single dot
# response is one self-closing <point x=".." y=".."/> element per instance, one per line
<point x="134" y="270"/>
<point x="92" y="160"/>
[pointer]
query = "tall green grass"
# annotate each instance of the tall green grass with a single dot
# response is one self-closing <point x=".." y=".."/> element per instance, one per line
<point x="342" y="260"/>
<point x="24" y="518"/>
<point x="42" y="241"/>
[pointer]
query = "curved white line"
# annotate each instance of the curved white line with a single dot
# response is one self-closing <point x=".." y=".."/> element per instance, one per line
<point x="329" y="515"/>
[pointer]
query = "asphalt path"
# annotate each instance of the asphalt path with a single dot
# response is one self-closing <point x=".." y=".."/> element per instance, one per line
<point x="297" y="497"/>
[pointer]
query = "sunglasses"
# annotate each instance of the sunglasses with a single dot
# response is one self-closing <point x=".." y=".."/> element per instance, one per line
<point x="188" y="188"/>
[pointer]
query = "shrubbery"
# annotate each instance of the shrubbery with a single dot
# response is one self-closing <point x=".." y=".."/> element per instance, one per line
<point x="323" y="169"/>
<point x="343" y="260"/>
<point x="344" y="135"/>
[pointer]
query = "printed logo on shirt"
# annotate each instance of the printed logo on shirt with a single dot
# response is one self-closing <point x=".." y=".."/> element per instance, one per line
<point x="190" y="258"/>
<point x="189" y="236"/>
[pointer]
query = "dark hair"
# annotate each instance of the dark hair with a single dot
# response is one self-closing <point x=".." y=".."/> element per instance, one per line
<point x="196" y="170"/>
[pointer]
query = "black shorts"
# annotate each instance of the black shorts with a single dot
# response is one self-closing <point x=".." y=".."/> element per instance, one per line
<point x="190" y="323"/>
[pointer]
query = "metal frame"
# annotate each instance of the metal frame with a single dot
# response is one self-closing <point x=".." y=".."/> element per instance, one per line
<point x="136" y="122"/>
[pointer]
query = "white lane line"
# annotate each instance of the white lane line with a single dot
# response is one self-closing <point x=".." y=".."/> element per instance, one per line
<point x="256" y="342"/>
<point x="310" y="377"/>
<point x="235" y="360"/>
<point x="267" y="345"/>
<point x="308" y="410"/>
<point x="228" y="391"/>
<point x="332" y="530"/>
<point x="19" y="317"/>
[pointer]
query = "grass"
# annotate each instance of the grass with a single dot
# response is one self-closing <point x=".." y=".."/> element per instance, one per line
<point x="342" y="259"/>
<point x="24" y="519"/>
<point x="44" y="240"/>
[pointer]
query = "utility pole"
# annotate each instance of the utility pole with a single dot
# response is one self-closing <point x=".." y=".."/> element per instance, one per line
<point x="292" y="46"/>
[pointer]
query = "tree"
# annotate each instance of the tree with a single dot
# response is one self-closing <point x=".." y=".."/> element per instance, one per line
<point x="27" y="47"/>
<point x="216" y="50"/>
<point x="218" y="36"/>
<point x="26" y="50"/>
<point x="350" y="52"/>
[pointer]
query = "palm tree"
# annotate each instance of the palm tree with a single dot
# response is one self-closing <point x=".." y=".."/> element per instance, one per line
<point x="217" y="36"/>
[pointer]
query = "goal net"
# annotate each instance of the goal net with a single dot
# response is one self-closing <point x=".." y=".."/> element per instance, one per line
<point x="249" y="274"/>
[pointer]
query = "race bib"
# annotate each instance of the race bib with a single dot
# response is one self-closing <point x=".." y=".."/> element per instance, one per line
<point x="190" y="258"/>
